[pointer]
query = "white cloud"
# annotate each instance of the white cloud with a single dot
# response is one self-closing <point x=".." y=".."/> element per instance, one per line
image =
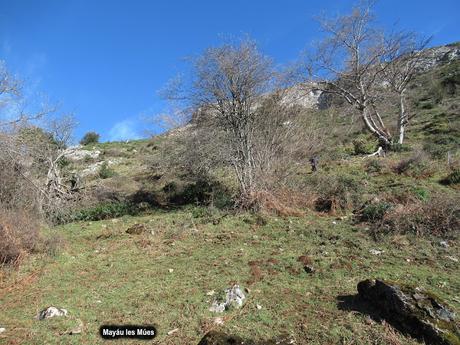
<point x="124" y="130"/>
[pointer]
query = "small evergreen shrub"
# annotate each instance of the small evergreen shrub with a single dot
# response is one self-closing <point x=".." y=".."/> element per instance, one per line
<point x="362" y="146"/>
<point x="397" y="147"/>
<point x="375" y="211"/>
<point x="374" y="166"/>
<point x="105" y="210"/>
<point x="90" y="138"/>
<point x="105" y="171"/>
<point x="452" y="178"/>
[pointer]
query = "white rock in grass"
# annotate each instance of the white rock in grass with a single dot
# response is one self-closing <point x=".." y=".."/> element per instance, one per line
<point x="453" y="258"/>
<point x="444" y="244"/>
<point x="217" y="307"/>
<point x="234" y="296"/>
<point x="51" y="312"/>
<point x="376" y="251"/>
<point x="2" y="329"/>
<point x="218" y="321"/>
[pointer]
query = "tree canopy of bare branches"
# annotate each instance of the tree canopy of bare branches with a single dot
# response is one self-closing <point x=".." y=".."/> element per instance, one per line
<point x="240" y="119"/>
<point x="357" y="61"/>
<point x="32" y="148"/>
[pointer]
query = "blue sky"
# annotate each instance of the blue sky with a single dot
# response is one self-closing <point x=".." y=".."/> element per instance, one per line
<point x="105" y="60"/>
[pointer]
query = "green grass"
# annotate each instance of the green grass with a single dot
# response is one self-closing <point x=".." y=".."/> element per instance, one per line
<point x="104" y="275"/>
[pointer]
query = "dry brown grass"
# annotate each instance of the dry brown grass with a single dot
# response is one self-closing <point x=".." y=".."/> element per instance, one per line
<point x="282" y="202"/>
<point x="20" y="235"/>
<point x="439" y="216"/>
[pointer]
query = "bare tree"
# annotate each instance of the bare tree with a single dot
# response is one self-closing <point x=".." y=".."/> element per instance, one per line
<point x="240" y="119"/>
<point x="403" y="62"/>
<point x="30" y="155"/>
<point x="356" y="60"/>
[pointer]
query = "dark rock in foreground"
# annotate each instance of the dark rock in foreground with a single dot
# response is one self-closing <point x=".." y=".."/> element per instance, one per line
<point x="412" y="310"/>
<point x="218" y="338"/>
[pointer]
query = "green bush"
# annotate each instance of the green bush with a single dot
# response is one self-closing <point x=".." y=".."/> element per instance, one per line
<point x="374" y="166"/>
<point x="397" y="147"/>
<point x="337" y="192"/>
<point x="421" y="193"/>
<point x="417" y="166"/>
<point x="105" y="171"/>
<point x="362" y="146"/>
<point x="90" y="138"/>
<point x="452" y="178"/>
<point x="105" y="211"/>
<point x="375" y="211"/>
<point x="201" y="192"/>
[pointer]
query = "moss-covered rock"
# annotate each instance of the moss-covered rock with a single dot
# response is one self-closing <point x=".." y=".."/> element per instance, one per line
<point x="412" y="310"/>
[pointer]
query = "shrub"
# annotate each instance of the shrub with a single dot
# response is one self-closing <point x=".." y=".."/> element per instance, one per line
<point x="106" y="210"/>
<point x="452" y="178"/>
<point x="439" y="216"/>
<point x="374" y="166"/>
<point x="337" y="192"/>
<point x="19" y="234"/>
<point x="415" y="166"/>
<point x="374" y="211"/>
<point x="362" y="146"/>
<point x="397" y="147"/>
<point x="200" y="192"/>
<point x="421" y="193"/>
<point x="105" y="171"/>
<point x="90" y="138"/>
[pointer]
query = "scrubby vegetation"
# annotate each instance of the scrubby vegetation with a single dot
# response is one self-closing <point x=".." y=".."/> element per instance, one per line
<point x="292" y="200"/>
<point x="90" y="138"/>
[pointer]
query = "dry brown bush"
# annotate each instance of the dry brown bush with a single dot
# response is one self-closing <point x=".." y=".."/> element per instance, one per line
<point x="20" y="235"/>
<point x="418" y="165"/>
<point x="282" y="202"/>
<point x="440" y="216"/>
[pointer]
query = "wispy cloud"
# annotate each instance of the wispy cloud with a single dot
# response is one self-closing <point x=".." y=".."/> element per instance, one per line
<point x="6" y="47"/>
<point x="125" y="130"/>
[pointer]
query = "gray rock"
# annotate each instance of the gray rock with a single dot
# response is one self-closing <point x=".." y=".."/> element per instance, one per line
<point x="76" y="153"/>
<point x="51" y="312"/>
<point x="412" y="310"/>
<point x="444" y="244"/>
<point x="234" y="296"/>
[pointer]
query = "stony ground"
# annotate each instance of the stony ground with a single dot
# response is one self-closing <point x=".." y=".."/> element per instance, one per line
<point x="165" y="276"/>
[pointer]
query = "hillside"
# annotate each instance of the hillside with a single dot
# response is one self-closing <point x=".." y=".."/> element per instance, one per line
<point x="152" y="244"/>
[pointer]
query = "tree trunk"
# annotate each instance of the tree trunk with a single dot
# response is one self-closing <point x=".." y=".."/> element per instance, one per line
<point x="402" y="120"/>
<point x="370" y="124"/>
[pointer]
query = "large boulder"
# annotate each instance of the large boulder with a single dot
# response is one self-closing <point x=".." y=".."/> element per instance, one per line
<point x="412" y="310"/>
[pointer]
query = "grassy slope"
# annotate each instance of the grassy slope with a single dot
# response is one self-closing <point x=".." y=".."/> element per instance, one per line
<point x="104" y="275"/>
<point x="107" y="276"/>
